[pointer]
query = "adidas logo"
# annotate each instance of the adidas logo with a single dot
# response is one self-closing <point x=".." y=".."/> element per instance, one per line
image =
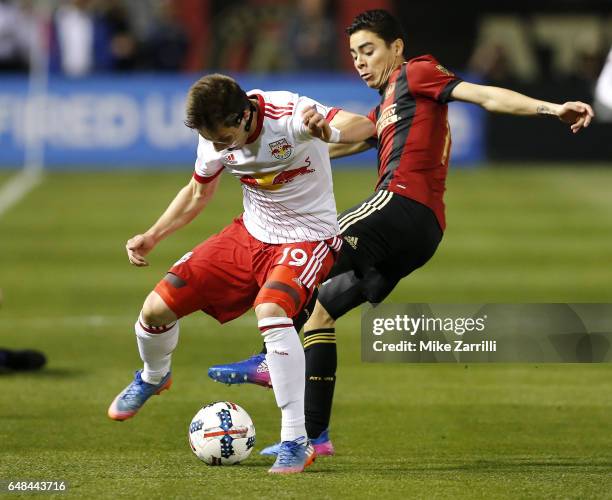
<point x="352" y="240"/>
<point x="231" y="159"/>
<point x="263" y="367"/>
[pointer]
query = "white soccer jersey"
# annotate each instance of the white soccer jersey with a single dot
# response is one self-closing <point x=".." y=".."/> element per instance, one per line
<point x="285" y="173"/>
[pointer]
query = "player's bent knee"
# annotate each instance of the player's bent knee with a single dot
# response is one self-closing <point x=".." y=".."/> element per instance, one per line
<point x="269" y="310"/>
<point x="155" y="312"/>
<point x="282" y="291"/>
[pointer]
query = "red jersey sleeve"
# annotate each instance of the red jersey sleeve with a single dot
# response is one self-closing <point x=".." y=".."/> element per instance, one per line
<point x="372" y="115"/>
<point x="428" y="78"/>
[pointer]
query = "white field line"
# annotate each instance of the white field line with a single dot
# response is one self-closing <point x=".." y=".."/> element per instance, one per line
<point x="107" y="321"/>
<point x="17" y="187"/>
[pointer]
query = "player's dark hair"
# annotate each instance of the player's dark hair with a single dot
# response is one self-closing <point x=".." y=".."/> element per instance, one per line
<point x="379" y="22"/>
<point x="215" y="101"/>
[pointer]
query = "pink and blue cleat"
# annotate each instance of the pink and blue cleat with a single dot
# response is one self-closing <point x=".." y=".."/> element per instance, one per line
<point x="293" y="456"/>
<point x="253" y="370"/>
<point x="322" y="446"/>
<point x="130" y="400"/>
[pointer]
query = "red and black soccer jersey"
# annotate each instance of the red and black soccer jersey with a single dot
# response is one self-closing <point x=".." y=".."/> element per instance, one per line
<point x="413" y="133"/>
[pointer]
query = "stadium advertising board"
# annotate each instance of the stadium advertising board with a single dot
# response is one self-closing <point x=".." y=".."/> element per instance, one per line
<point x="120" y="122"/>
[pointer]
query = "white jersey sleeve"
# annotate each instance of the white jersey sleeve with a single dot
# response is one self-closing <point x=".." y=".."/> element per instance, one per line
<point x="299" y="130"/>
<point x="208" y="164"/>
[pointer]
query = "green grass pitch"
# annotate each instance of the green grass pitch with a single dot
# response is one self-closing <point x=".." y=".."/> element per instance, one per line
<point x="526" y="234"/>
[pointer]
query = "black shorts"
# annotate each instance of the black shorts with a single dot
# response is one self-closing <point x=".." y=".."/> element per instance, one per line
<point x="385" y="238"/>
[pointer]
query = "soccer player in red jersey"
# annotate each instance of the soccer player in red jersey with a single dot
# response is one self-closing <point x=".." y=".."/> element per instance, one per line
<point x="398" y="228"/>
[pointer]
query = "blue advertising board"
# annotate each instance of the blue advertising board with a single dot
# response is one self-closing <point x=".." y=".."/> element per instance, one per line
<point x="137" y="121"/>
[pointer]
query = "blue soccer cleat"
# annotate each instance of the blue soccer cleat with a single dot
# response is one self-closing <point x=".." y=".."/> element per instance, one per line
<point x="322" y="445"/>
<point x="253" y="370"/>
<point x="130" y="400"/>
<point x="293" y="456"/>
<point x="271" y="450"/>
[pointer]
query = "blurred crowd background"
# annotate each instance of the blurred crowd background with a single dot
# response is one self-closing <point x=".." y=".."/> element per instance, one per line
<point x="551" y="49"/>
<point x="501" y="41"/>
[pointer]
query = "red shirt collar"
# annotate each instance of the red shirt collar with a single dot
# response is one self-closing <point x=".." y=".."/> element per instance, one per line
<point x="260" y="118"/>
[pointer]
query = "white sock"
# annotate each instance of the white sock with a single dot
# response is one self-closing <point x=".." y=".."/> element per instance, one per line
<point x="156" y="344"/>
<point x="287" y="366"/>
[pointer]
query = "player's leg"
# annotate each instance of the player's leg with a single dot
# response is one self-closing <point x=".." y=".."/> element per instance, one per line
<point x="362" y="226"/>
<point x="338" y="296"/>
<point x="343" y="291"/>
<point x="321" y="357"/>
<point x="157" y="331"/>
<point x="287" y="288"/>
<point x="254" y="370"/>
<point x="381" y="248"/>
<point x="215" y="277"/>
<point x="286" y="364"/>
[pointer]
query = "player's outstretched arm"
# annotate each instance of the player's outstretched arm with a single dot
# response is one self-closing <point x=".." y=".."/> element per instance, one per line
<point x="187" y="204"/>
<point x="345" y="127"/>
<point x="576" y="114"/>
<point x="337" y="150"/>
<point x="343" y="120"/>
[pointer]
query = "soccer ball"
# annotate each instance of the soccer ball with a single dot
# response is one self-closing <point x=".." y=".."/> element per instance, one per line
<point x="222" y="433"/>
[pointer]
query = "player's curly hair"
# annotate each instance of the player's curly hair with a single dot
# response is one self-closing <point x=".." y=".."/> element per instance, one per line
<point x="215" y="101"/>
<point x="379" y="22"/>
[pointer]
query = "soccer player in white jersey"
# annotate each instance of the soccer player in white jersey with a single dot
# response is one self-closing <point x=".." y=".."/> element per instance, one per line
<point x="271" y="257"/>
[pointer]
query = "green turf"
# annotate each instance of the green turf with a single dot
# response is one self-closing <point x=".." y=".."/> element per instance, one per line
<point x="6" y="174"/>
<point x="412" y="431"/>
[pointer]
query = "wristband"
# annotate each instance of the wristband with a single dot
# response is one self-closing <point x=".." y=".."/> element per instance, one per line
<point x="335" y="135"/>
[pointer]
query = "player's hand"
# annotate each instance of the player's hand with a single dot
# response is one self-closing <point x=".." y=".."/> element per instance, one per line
<point x="137" y="247"/>
<point x="576" y="114"/>
<point x="316" y="123"/>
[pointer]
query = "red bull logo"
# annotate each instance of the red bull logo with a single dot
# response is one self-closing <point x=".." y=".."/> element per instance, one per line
<point x="275" y="181"/>
<point x="281" y="149"/>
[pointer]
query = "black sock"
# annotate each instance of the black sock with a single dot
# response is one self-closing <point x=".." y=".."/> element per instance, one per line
<point x="321" y="364"/>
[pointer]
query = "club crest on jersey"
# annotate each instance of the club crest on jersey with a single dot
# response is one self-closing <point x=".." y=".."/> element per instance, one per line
<point x="281" y="149"/>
